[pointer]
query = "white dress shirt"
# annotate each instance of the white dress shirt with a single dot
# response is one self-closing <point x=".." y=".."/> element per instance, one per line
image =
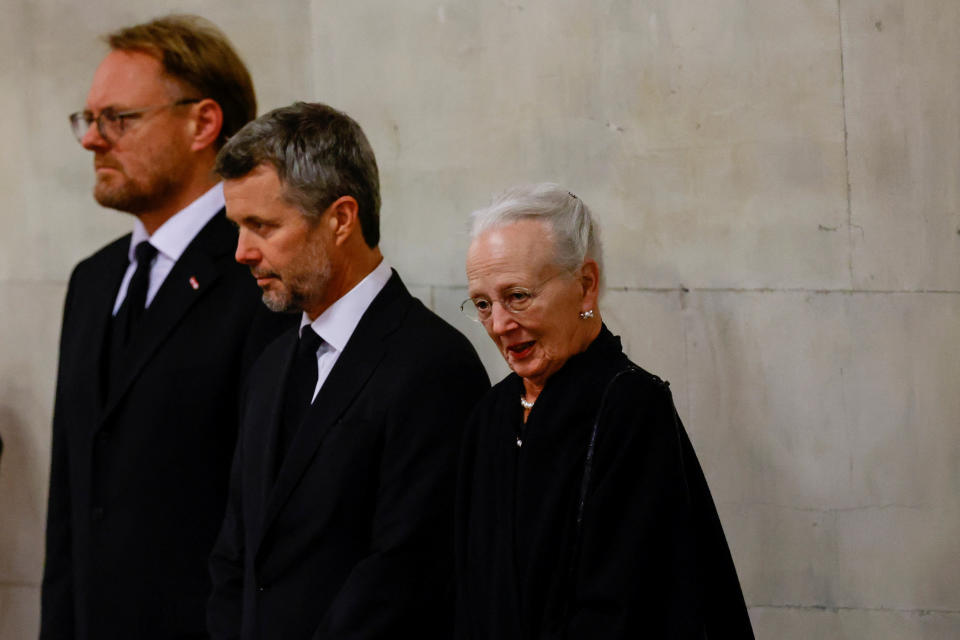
<point x="338" y="322"/>
<point x="170" y="241"/>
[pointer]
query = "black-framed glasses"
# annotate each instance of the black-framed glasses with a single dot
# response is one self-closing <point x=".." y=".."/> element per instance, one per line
<point x="516" y="300"/>
<point x="112" y="124"/>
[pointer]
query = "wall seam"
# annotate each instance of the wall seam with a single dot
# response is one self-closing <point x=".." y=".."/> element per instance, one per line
<point x="313" y="42"/>
<point x="846" y="143"/>
<point x="685" y="323"/>
<point x="685" y="289"/>
<point x="832" y="609"/>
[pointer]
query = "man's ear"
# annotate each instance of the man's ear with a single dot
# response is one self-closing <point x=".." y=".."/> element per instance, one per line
<point x="344" y="219"/>
<point x="207" y="121"/>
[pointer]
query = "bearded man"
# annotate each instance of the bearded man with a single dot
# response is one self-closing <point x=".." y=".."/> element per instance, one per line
<point x="158" y="329"/>
<point x="339" y="521"/>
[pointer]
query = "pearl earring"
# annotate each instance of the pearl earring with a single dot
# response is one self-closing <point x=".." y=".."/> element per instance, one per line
<point x="586" y="315"/>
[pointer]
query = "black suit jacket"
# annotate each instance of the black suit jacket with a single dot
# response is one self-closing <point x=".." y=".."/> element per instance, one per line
<point x="139" y="472"/>
<point x="354" y="538"/>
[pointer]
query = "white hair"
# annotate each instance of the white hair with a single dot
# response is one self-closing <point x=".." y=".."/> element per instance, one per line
<point x="575" y="234"/>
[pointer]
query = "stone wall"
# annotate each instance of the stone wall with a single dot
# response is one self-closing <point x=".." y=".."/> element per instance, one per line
<point x="778" y="187"/>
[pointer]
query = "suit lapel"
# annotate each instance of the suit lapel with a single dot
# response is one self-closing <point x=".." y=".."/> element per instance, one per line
<point x="192" y="276"/>
<point x="260" y="427"/>
<point x="353" y="369"/>
<point x="98" y="299"/>
<point x="274" y="413"/>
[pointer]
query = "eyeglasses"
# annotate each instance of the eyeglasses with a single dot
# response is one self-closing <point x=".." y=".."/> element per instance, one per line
<point x="111" y="124"/>
<point x="516" y="300"/>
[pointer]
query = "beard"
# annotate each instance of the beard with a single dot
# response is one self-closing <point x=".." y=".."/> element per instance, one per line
<point x="117" y="190"/>
<point x="303" y="281"/>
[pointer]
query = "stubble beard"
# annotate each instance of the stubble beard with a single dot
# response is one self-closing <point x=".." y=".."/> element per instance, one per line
<point x="295" y="291"/>
<point x="131" y="199"/>
<point x="119" y="191"/>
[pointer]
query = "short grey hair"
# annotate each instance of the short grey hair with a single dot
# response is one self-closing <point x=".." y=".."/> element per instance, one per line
<point x="320" y="154"/>
<point x="575" y="234"/>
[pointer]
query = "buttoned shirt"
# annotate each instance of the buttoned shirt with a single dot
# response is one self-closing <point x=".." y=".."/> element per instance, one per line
<point x="171" y="240"/>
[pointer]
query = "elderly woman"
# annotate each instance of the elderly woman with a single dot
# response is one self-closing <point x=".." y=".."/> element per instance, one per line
<point x="582" y="510"/>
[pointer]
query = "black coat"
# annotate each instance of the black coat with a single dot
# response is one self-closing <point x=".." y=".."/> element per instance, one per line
<point x="355" y="537"/>
<point x="139" y="472"/>
<point x="650" y="560"/>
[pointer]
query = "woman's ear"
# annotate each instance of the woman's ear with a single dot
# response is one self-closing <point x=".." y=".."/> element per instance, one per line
<point x="590" y="284"/>
<point x="207" y="123"/>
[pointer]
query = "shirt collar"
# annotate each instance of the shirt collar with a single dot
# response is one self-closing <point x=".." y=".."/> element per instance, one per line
<point x="173" y="236"/>
<point x="338" y="322"/>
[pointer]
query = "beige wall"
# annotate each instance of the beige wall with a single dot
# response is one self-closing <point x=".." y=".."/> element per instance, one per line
<point x="777" y="182"/>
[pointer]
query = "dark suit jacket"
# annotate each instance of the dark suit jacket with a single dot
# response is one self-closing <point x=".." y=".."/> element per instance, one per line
<point x="354" y="539"/>
<point x="139" y="474"/>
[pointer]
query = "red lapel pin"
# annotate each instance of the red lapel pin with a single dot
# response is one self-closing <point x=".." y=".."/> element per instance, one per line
<point x="194" y="283"/>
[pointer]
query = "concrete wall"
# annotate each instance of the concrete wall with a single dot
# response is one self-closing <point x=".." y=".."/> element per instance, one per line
<point x="777" y="182"/>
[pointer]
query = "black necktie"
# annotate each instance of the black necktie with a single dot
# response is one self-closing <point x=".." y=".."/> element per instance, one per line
<point x="301" y="383"/>
<point x="132" y="308"/>
<point x="129" y="313"/>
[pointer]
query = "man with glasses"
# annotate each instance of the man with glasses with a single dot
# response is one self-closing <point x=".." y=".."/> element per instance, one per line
<point x="159" y="328"/>
<point x="340" y="517"/>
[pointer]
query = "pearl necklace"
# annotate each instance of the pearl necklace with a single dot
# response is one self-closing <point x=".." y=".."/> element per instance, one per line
<point x="525" y="404"/>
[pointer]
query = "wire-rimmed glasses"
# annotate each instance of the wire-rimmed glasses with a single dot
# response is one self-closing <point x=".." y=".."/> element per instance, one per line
<point x="516" y="300"/>
<point x="111" y="124"/>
